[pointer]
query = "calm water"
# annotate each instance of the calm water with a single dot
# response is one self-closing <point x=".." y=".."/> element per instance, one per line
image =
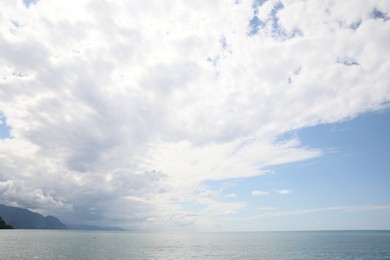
<point x="39" y="244"/>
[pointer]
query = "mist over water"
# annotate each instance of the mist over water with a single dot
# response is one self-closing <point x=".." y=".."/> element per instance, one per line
<point x="39" y="244"/>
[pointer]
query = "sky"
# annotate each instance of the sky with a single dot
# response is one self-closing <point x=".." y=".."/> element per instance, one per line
<point x="222" y="115"/>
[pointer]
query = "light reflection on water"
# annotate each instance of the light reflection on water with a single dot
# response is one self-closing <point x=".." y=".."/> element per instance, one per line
<point x="51" y="244"/>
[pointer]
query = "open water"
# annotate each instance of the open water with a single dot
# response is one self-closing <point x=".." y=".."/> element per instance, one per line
<point x="52" y="244"/>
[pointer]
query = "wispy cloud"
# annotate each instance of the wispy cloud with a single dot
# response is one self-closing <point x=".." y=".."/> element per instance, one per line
<point x="283" y="213"/>
<point x="231" y="196"/>
<point x="258" y="193"/>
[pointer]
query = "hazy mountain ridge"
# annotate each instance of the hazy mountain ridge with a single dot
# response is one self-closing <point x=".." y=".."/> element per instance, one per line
<point x="92" y="227"/>
<point x="20" y="218"/>
<point x="25" y="219"/>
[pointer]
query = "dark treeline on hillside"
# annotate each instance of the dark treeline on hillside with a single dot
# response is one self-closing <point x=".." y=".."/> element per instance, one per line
<point x="4" y="225"/>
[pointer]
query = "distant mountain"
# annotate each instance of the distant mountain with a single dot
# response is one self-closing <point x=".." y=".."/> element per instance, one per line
<point x="4" y="225"/>
<point x="90" y="227"/>
<point x="25" y="219"/>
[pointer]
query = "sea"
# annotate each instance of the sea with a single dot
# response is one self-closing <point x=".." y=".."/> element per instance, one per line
<point x="67" y="244"/>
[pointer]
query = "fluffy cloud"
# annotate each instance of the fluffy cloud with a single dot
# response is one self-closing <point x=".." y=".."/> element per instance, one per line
<point x="19" y="195"/>
<point x="283" y="192"/>
<point x="119" y="110"/>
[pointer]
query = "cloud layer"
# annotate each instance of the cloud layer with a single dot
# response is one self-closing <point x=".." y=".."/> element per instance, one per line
<point x="119" y="110"/>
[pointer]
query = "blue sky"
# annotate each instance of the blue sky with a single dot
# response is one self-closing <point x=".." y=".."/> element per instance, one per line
<point x="4" y="128"/>
<point x="353" y="171"/>
<point x="242" y="116"/>
<point x="29" y="2"/>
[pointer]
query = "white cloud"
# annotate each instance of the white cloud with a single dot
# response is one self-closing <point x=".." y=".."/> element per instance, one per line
<point x="230" y="196"/>
<point x="258" y="193"/>
<point x="283" y="192"/>
<point x="110" y="100"/>
<point x="26" y="197"/>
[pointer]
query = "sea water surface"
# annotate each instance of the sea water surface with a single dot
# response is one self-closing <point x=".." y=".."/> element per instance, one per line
<point x="53" y="244"/>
